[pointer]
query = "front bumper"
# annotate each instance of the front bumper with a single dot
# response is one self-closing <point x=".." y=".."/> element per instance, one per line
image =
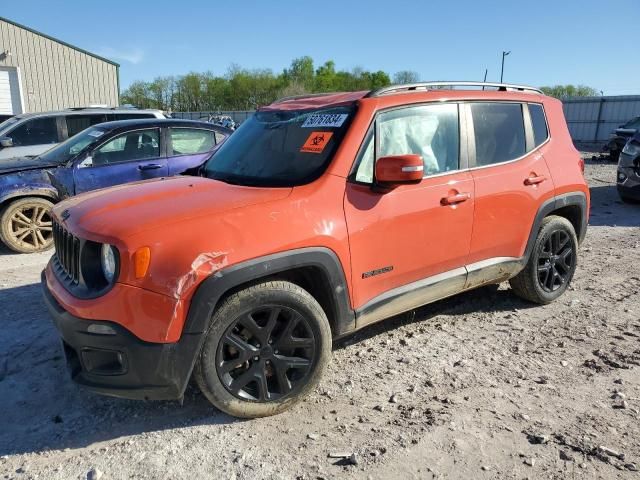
<point x="628" y="182"/>
<point x="120" y="364"/>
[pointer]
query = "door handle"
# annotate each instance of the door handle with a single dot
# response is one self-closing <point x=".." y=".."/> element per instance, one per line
<point x="534" y="179"/>
<point x="149" y="166"/>
<point x="455" y="198"/>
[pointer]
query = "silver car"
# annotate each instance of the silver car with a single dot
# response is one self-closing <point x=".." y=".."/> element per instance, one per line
<point x="31" y="134"/>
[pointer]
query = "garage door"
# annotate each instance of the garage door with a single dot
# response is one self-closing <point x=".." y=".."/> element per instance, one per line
<point x="9" y="92"/>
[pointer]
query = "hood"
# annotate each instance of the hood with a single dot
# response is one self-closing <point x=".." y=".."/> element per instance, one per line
<point x="19" y="164"/>
<point x="626" y="132"/>
<point x="122" y="211"/>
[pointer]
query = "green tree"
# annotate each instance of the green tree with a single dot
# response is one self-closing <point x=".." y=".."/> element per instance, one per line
<point x="405" y="76"/>
<point x="565" y="91"/>
<point x="326" y="79"/>
<point x="301" y="71"/>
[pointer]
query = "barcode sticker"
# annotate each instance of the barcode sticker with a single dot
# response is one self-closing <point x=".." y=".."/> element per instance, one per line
<point x="325" y="120"/>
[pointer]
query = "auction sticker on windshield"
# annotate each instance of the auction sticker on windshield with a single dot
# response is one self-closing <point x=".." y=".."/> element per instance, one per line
<point x="316" y="142"/>
<point x="325" y="120"/>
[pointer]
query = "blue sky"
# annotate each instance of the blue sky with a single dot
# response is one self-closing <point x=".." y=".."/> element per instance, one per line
<point x="582" y="42"/>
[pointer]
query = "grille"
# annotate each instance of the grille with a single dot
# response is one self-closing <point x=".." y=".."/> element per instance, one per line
<point x="67" y="253"/>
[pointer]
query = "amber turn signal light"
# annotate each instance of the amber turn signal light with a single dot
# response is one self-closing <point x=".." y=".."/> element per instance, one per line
<point x="141" y="260"/>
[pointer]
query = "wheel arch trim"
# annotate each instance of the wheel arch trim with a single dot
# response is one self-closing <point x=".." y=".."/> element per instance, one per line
<point x="576" y="199"/>
<point x="25" y="192"/>
<point x="213" y="288"/>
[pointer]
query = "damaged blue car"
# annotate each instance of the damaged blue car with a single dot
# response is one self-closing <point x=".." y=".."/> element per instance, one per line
<point x="101" y="156"/>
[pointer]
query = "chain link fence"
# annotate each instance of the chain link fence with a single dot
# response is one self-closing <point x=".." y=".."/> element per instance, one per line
<point x="237" y="116"/>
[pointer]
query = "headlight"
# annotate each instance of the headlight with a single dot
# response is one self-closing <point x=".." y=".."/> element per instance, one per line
<point x="108" y="262"/>
<point x="631" y="148"/>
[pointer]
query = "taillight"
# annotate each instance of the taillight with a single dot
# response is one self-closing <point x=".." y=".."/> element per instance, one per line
<point x="581" y="164"/>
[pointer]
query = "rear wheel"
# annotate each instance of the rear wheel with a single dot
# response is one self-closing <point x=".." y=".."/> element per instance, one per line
<point x="551" y="264"/>
<point x="266" y="348"/>
<point x="26" y="225"/>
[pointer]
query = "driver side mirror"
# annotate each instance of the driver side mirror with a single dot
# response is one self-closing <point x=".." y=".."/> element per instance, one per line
<point x="397" y="170"/>
<point x="6" y="142"/>
<point x="86" y="162"/>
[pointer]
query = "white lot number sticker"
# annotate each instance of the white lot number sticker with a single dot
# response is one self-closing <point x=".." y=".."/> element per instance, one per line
<point x="325" y="120"/>
<point x="96" y="133"/>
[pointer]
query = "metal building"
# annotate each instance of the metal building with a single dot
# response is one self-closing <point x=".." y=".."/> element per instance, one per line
<point x="40" y="73"/>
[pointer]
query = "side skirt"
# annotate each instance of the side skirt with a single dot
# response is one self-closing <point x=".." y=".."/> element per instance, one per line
<point x="443" y="285"/>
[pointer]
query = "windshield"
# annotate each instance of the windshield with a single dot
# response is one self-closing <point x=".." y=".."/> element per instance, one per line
<point x="71" y="147"/>
<point x="8" y="122"/>
<point x="280" y="148"/>
<point x="633" y="123"/>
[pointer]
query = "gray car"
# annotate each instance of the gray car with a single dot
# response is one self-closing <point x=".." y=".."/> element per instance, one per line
<point x="629" y="171"/>
<point x="31" y="134"/>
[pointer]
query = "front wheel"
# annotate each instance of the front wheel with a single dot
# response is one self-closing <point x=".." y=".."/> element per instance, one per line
<point x="551" y="264"/>
<point x="26" y="225"/>
<point x="266" y="348"/>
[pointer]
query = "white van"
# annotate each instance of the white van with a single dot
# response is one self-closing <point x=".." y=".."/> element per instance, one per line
<point x="31" y="134"/>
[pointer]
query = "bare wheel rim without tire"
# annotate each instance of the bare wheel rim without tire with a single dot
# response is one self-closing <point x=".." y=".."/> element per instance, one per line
<point x="31" y="226"/>
<point x="555" y="261"/>
<point x="266" y="354"/>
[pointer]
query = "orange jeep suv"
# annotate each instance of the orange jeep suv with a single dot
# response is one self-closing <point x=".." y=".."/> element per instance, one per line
<point x="320" y="215"/>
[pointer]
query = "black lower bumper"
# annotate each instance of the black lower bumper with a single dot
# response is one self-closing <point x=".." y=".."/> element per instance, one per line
<point x="629" y="183"/>
<point x="632" y="193"/>
<point x="117" y="363"/>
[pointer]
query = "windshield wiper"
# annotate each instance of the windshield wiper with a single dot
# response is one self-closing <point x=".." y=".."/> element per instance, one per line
<point x="239" y="180"/>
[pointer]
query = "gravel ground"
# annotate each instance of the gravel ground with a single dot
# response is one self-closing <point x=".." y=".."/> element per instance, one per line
<point x="482" y="385"/>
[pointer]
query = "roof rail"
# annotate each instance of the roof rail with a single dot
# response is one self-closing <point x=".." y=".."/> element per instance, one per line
<point x="435" y="85"/>
<point x="296" y="97"/>
<point x="91" y="108"/>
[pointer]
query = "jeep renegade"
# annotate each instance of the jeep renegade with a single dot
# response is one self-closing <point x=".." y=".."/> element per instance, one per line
<point x="321" y="215"/>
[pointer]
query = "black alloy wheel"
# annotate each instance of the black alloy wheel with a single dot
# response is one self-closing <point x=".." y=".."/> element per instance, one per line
<point x="551" y="264"/>
<point x="555" y="261"/>
<point x="266" y="354"/>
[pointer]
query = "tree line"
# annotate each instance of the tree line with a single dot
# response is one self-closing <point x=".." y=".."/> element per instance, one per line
<point x="566" y="91"/>
<point x="244" y="89"/>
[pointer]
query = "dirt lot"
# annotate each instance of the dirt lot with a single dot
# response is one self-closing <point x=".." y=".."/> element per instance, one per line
<point x="478" y="386"/>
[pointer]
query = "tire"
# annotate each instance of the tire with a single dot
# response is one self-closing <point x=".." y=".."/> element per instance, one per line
<point x="26" y="225"/>
<point x="554" y="253"/>
<point x="258" y="334"/>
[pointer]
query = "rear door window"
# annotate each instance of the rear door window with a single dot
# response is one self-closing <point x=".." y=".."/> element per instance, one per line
<point x="539" y="123"/>
<point x="36" y="131"/>
<point x="77" y="123"/>
<point x="499" y="132"/>
<point x="188" y="141"/>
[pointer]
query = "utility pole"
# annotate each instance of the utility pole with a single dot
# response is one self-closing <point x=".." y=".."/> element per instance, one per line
<point x="504" y="54"/>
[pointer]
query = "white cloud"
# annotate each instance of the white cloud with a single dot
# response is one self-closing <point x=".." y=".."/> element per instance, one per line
<point x="134" y="55"/>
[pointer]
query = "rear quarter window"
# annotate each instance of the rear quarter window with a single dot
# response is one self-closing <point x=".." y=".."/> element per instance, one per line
<point x="132" y="116"/>
<point x="539" y="123"/>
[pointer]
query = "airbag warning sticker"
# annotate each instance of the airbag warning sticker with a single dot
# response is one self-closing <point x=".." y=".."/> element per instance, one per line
<point x="316" y="142"/>
<point x="325" y="120"/>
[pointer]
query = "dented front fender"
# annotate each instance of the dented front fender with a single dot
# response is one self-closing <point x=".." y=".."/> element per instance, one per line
<point x="27" y="183"/>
